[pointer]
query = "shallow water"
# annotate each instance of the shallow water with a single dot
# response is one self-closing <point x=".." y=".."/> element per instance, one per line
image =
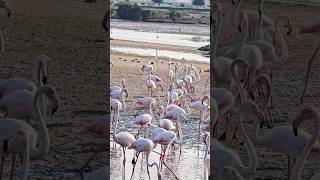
<point x="188" y="165"/>
<point x="160" y="38"/>
<point x="161" y="53"/>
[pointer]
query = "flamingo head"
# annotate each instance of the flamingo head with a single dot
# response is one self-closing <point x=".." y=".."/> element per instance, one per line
<point x="307" y="113"/>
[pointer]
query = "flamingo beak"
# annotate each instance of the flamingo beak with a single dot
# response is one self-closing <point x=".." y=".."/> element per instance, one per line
<point x="54" y="110"/>
<point x="261" y="125"/>
<point x="44" y="80"/>
<point x="5" y="145"/>
<point x="295" y="131"/>
<point x="239" y="29"/>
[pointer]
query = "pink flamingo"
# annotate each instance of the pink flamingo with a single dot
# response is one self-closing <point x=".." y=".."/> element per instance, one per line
<point x="125" y="139"/>
<point x="144" y="145"/>
<point x="143" y="120"/>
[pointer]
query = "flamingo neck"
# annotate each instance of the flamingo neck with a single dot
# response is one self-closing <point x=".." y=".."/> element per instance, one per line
<point x="116" y="125"/>
<point x="153" y="164"/>
<point x="283" y="44"/>
<point x="42" y="149"/>
<point x="253" y="160"/>
<point x="298" y="167"/>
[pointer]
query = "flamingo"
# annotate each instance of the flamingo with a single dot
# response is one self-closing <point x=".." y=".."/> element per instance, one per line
<point x="10" y="85"/>
<point x="115" y="106"/>
<point x="164" y="138"/>
<point x="125" y="139"/>
<point x="156" y="131"/>
<point x="206" y="158"/>
<point x="98" y="131"/>
<point x="27" y="144"/>
<point x="118" y="88"/>
<point x="19" y="104"/>
<point x="143" y="120"/>
<point x="253" y="18"/>
<point x="306" y="114"/>
<point x="146" y="68"/>
<point x="222" y="64"/>
<point x="281" y="139"/>
<point x="120" y="95"/>
<point x="98" y="174"/>
<point x="4" y="4"/>
<point x="250" y="53"/>
<point x="310" y="27"/>
<point x="144" y="145"/>
<point x="223" y="156"/>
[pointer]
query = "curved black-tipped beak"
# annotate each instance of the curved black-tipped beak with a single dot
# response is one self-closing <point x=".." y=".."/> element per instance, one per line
<point x="9" y="14"/>
<point x="239" y="29"/>
<point x="54" y="110"/>
<point x="261" y="125"/>
<point x="295" y="131"/>
<point x="133" y="161"/>
<point x="259" y="13"/>
<point x="5" y="145"/>
<point x="288" y="33"/>
<point x="45" y="80"/>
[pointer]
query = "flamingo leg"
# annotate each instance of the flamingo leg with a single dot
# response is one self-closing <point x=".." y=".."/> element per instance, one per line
<point x="13" y="163"/>
<point x="139" y="132"/>
<point x="3" y="158"/>
<point x="289" y="168"/>
<point x="134" y="162"/>
<point x="271" y="83"/>
<point x="124" y="159"/>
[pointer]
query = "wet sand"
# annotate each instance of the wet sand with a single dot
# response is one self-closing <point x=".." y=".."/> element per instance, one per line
<point x="61" y="30"/>
<point x="128" y="67"/>
<point x="289" y="77"/>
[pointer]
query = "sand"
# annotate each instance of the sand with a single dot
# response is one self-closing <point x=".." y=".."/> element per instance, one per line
<point x="61" y="30"/>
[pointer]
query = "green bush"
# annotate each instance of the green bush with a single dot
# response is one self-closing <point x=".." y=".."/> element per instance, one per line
<point x="129" y="12"/>
<point x="133" y="12"/>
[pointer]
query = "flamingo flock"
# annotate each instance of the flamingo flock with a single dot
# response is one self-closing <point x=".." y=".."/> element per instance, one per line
<point x="161" y="110"/>
<point x="241" y="91"/>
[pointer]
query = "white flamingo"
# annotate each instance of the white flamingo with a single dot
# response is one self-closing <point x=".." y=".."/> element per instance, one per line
<point x="307" y="113"/>
<point x="144" y="145"/>
<point x="164" y="139"/>
<point x="223" y="156"/>
<point x="19" y="104"/>
<point x="28" y="145"/>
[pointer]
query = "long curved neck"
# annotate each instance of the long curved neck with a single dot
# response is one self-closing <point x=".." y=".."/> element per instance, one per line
<point x="245" y="35"/>
<point x="43" y="148"/>
<point x="298" y="167"/>
<point x="115" y="127"/>
<point x="253" y="160"/>
<point x="217" y="33"/>
<point x="153" y="164"/>
<point x="239" y="84"/>
<point x="283" y="44"/>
